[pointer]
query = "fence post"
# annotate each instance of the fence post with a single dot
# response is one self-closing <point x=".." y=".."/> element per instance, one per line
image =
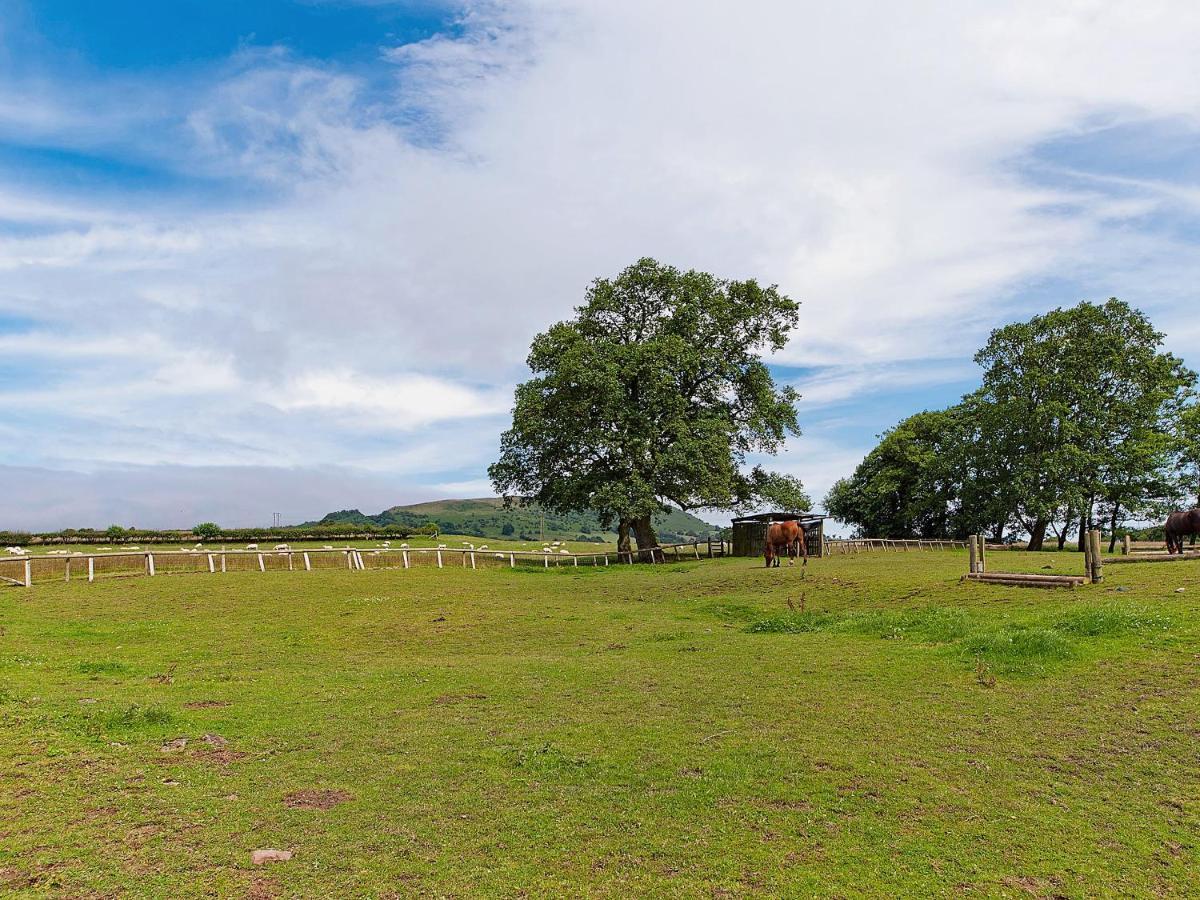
<point x="1097" y="560"/>
<point x="1126" y="545"/>
<point x="67" y="570"/>
<point x="982" y="552"/>
<point x="439" y="558"/>
<point x="307" y="562"/>
<point x="28" y="575"/>
<point x="972" y="550"/>
<point x="91" y="569"/>
<point x="150" y="562"/>
<point x="404" y="553"/>
<point x="291" y="564"/>
<point x="512" y="561"/>
<point x="212" y="566"/>
<point x="1087" y="555"/>
<point x="472" y="559"/>
<point x="262" y="566"/>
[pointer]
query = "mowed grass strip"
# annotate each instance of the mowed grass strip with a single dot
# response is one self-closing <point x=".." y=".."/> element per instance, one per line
<point x="677" y="730"/>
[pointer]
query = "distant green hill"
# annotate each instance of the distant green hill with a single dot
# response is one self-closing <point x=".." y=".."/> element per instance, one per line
<point x="487" y="517"/>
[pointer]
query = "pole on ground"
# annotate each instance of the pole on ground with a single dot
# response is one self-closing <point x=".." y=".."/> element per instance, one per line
<point x="150" y="562"/>
<point x="91" y="568"/>
<point x="1097" y="561"/>
<point x="1126" y="545"/>
<point x="972" y="549"/>
<point x="982" y="552"/>
<point x="28" y="575"/>
<point x="308" y="562"/>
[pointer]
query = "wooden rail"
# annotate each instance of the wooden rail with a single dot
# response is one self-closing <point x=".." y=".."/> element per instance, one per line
<point x="859" y="545"/>
<point x="23" y="571"/>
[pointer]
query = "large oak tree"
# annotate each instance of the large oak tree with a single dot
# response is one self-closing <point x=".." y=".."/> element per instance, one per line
<point x="653" y="395"/>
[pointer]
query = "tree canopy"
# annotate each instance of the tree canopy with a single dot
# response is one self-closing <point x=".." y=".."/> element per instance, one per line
<point x="1080" y="414"/>
<point x="653" y="395"/>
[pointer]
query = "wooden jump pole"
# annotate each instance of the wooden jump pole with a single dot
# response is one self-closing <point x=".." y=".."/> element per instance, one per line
<point x="1126" y="545"/>
<point x="1097" y="570"/>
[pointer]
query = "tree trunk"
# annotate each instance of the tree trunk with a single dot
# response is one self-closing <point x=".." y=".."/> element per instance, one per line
<point x="1112" y="528"/>
<point x="1085" y="525"/>
<point x="1037" y="534"/>
<point x="1062" y="536"/>
<point x="623" y="536"/>
<point x="646" y="538"/>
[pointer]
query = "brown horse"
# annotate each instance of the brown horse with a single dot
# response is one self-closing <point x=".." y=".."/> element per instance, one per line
<point x="1179" y="524"/>
<point x="785" y="539"/>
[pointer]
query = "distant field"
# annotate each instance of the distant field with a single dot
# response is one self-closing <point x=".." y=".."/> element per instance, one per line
<point x="675" y="730"/>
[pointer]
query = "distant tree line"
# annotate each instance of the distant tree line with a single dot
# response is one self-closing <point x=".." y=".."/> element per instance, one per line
<point x="1081" y="421"/>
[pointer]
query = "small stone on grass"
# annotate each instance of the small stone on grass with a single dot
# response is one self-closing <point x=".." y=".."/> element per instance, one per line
<point x="258" y="857"/>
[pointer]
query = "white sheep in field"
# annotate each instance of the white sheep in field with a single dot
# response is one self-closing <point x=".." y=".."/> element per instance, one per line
<point x="499" y="556"/>
<point x="327" y="547"/>
<point x="556" y="543"/>
<point x="282" y="547"/>
<point x="15" y="551"/>
<point x="133" y="548"/>
<point x="483" y="546"/>
<point x="252" y="546"/>
<point x="441" y="546"/>
<point x="198" y="544"/>
<point x="565" y="550"/>
<point x="404" y="546"/>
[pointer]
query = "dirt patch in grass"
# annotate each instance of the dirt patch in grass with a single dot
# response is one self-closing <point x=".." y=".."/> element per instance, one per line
<point x="451" y="699"/>
<point x="315" y="799"/>
<point x="206" y="704"/>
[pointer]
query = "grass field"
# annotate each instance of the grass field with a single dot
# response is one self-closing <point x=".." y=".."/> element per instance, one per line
<point x="675" y="730"/>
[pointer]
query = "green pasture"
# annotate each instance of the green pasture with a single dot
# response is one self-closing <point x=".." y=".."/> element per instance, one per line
<point x="868" y="726"/>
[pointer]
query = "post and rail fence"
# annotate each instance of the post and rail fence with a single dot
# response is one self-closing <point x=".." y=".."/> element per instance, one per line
<point x="25" y="571"/>
<point x="859" y="545"/>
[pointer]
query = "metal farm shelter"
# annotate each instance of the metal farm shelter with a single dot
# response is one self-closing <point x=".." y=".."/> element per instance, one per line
<point x="750" y="532"/>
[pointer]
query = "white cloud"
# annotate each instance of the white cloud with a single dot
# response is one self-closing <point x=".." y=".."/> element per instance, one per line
<point x="398" y="250"/>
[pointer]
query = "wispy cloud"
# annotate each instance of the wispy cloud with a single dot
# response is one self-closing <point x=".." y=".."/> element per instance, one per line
<point x="376" y="244"/>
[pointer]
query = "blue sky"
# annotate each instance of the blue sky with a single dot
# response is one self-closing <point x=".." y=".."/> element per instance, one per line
<point x="288" y="257"/>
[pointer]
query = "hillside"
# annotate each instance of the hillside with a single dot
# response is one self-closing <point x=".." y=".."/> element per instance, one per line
<point x="487" y="517"/>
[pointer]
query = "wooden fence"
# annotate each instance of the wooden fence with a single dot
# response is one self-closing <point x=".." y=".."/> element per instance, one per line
<point x="859" y="545"/>
<point x="29" y="570"/>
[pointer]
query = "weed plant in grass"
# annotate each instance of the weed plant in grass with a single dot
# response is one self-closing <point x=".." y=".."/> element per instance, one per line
<point x="676" y="730"/>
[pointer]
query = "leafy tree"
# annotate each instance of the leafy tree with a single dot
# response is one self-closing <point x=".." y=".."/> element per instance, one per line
<point x="207" y="530"/>
<point x="1187" y="451"/>
<point x="508" y="529"/>
<point x="114" y="532"/>
<point x="652" y="395"/>
<point x="1078" y="400"/>
<point x="901" y="489"/>
<point x="1079" y="413"/>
